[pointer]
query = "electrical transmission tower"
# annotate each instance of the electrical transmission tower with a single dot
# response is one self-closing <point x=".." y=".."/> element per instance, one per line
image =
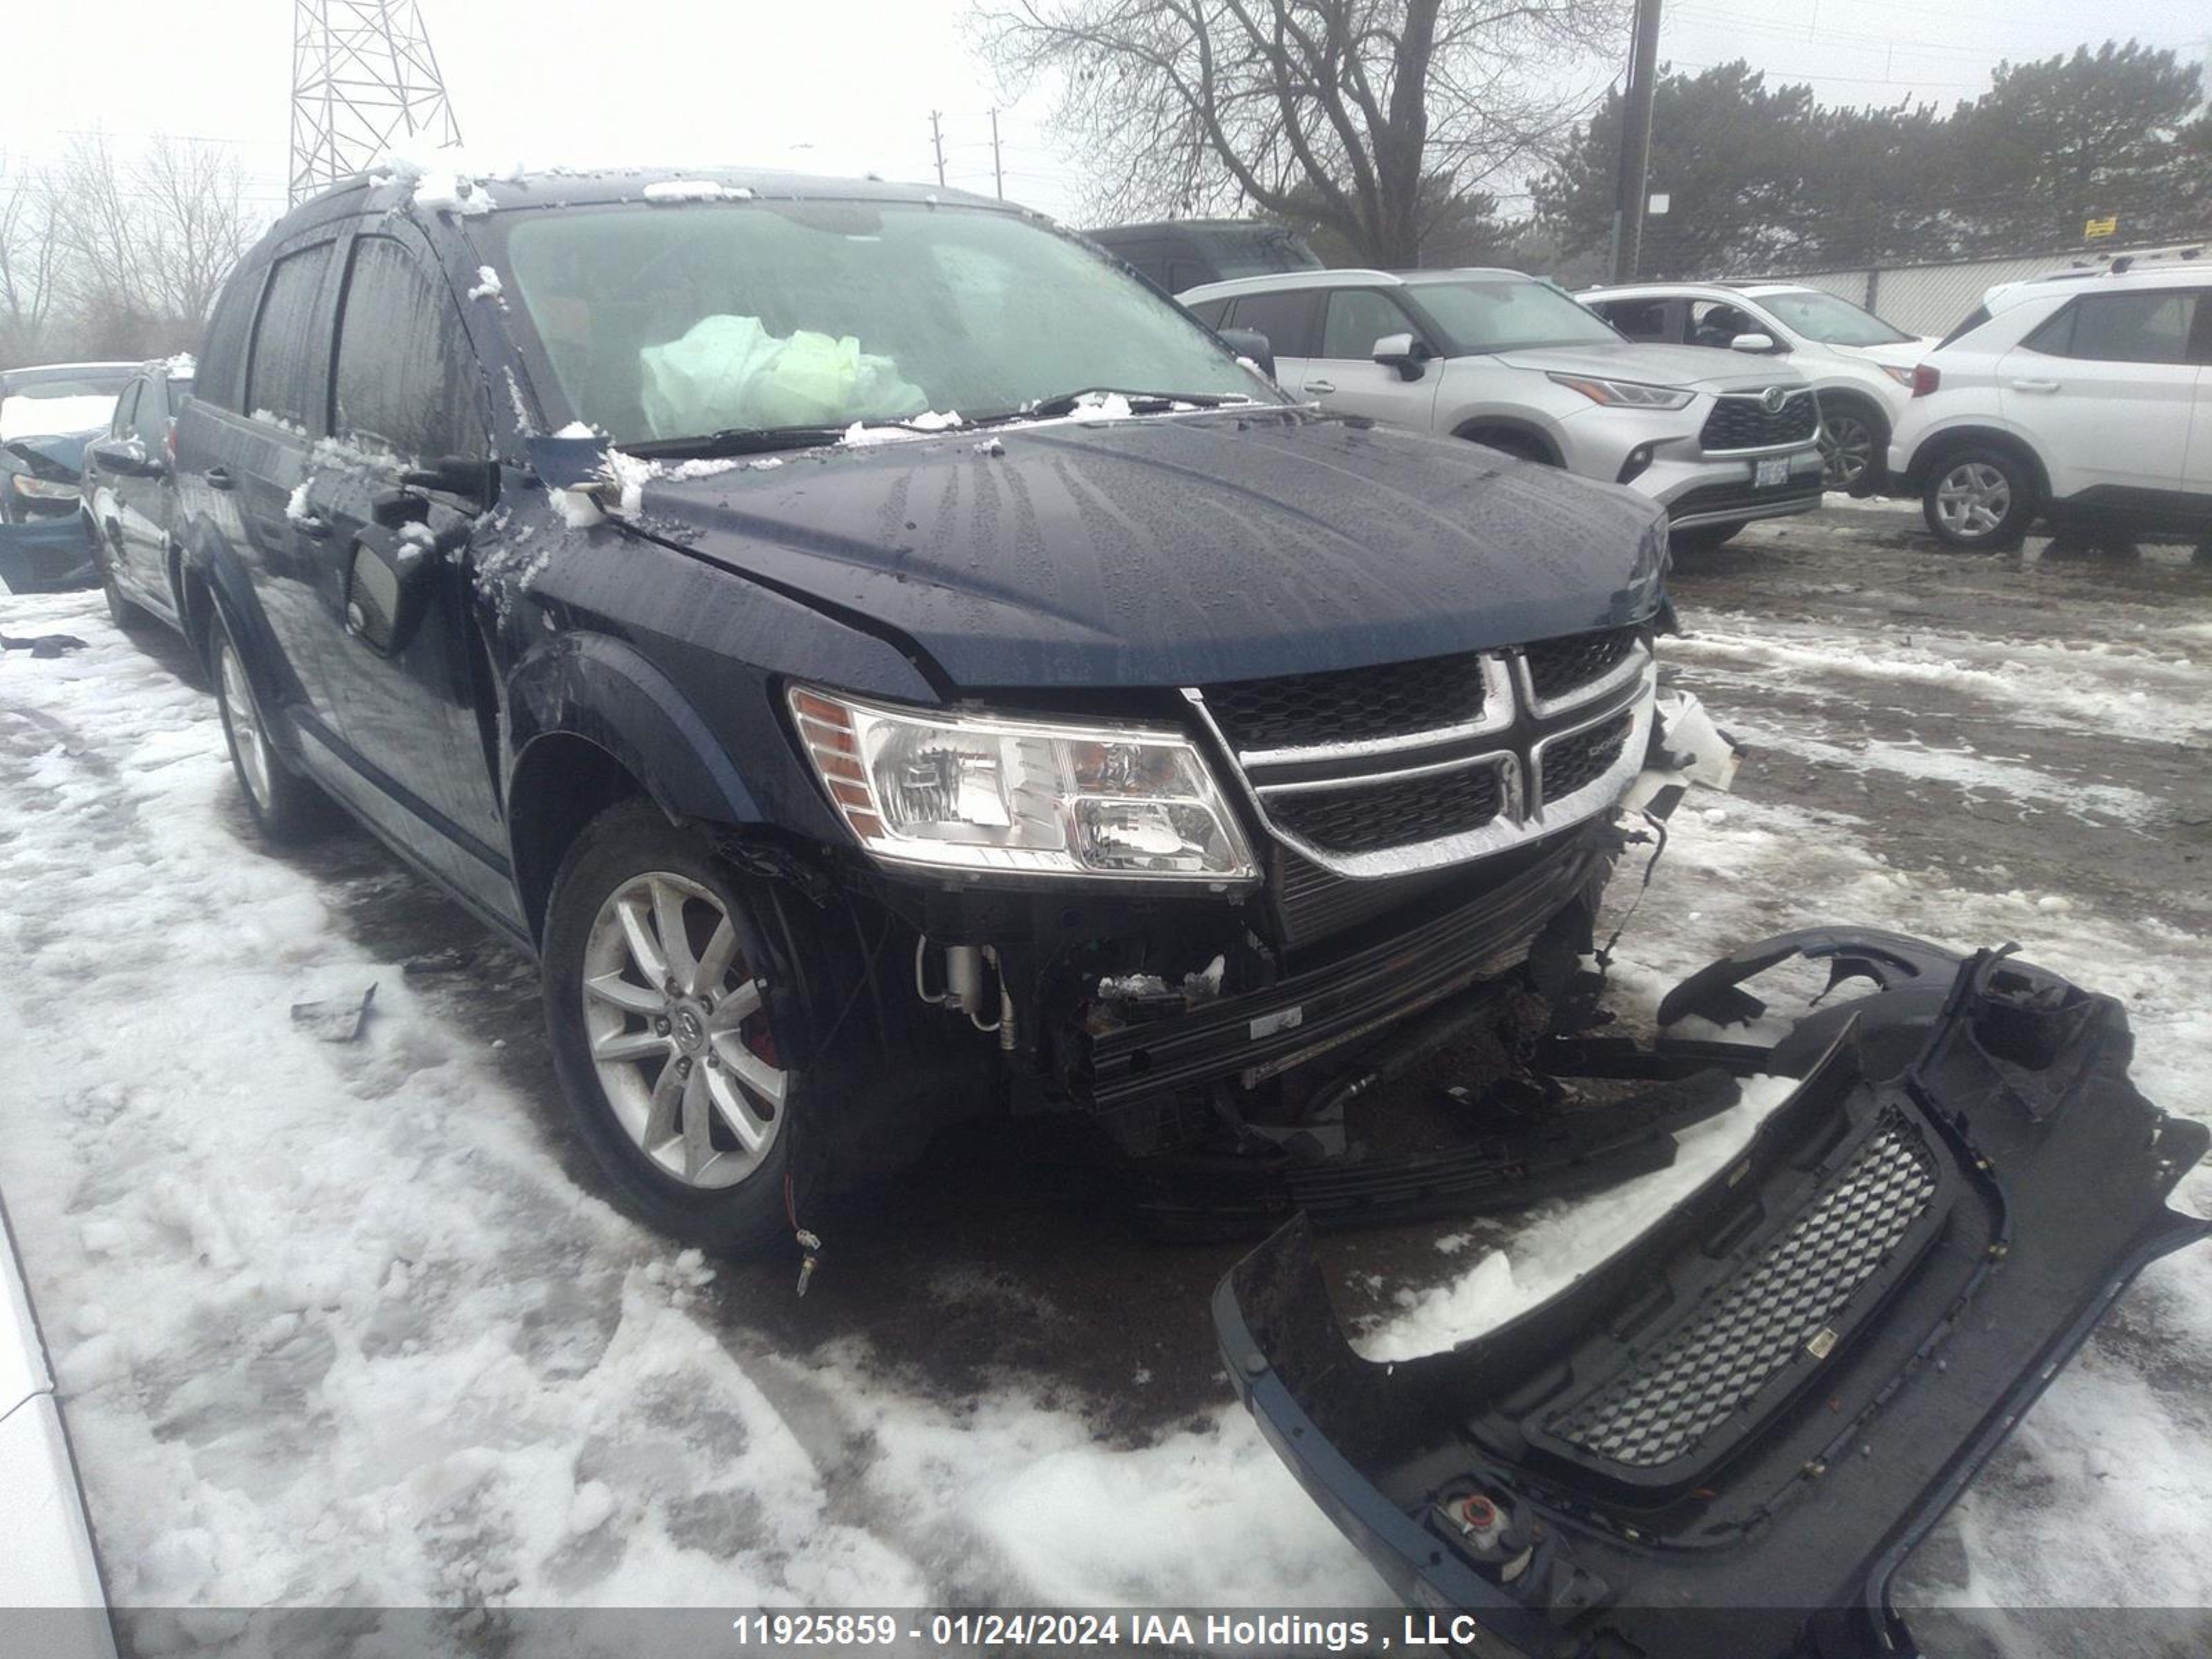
<point x="363" y="75"/>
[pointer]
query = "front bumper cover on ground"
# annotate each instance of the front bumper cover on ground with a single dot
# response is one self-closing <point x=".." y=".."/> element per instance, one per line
<point x="1725" y="1439"/>
<point x="44" y="554"/>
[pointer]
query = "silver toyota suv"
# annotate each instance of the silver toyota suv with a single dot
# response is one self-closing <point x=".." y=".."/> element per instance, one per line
<point x="1518" y="364"/>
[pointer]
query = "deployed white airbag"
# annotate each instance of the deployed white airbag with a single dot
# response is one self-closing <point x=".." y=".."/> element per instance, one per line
<point x="730" y="372"/>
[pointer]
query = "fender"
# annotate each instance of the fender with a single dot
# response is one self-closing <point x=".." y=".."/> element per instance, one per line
<point x="1963" y="429"/>
<point x="594" y="686"/>
<point x="1519" y="425"/>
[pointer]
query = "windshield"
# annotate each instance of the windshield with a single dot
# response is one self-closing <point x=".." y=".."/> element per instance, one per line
<point x="1253" y="251"/>
<point x="1499" y="313"/>
<point x="676" y="322"/>
<point x="1823" y="317"/>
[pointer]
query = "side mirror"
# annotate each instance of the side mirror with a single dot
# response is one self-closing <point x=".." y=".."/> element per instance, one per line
<point x="1250" y="343"/>
<point x="1403" y="353"/>
<point x="388" y="587"/>
<point x="127" y="457"/>
<point x="1755" y="343"/>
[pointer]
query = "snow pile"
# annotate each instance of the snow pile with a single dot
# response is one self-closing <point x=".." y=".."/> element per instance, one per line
<point x="488" y="287"/>
<point x="23" y="416"/>
<point x="696" y="190"/>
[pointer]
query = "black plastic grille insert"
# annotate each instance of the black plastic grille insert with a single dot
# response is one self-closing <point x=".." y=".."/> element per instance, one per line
<point x="1572" y="762"/>
<point x="1369" y="818"/>
<point x="1664" y="1407"/>
<point x="1350" y="705"/>
<point x="1559" y="666"/>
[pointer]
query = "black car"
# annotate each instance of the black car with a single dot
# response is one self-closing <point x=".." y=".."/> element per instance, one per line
<point x="1176" y="255"/>
<point x="47" y="414"/>
<point x="131" y="497"/>
<point x="851" y="769"/>
<point x="891" y="666"/>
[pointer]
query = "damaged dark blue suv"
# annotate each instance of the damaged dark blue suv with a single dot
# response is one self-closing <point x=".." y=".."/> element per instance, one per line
<point x="889" y="662"/>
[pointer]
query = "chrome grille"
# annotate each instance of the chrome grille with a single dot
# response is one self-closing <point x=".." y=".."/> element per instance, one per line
<point x="1369" y="774"/>
<point x="1740" y="420"/>
<point x="1664" y="1407"/>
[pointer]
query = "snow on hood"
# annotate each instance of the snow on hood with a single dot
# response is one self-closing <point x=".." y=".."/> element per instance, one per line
<point x="1657" y="365"/>
<point x="44" y="417"/>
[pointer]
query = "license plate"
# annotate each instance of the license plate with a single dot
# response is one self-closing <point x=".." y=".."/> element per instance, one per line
<point x="1770" y="472"/>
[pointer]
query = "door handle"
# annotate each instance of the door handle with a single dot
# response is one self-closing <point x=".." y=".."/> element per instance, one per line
<point x="2035" y="385"/>
<point x="1324" y="387"/>
<point x="219" y="477"/>
<point x="314" y="526"/>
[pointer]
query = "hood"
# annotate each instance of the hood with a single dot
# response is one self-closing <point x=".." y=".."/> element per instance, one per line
<point x="1708" y="368"/>
<point x="1897" y="354"/>
<point x="1176" y="550"/>
<point x="57" y="460"/>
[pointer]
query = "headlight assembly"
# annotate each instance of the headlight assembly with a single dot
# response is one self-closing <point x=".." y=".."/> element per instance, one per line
<point x="981" y="793"/>
<point x="1625" y="394"/>
<point x="43" y="490"/>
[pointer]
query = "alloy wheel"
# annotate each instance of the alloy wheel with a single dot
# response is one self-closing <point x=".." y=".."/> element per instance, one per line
<point x="1973" y="500"/>
<point x="243" y="722"/>
<point x="1846" y="451"/>
<point x="675" y="1023"/>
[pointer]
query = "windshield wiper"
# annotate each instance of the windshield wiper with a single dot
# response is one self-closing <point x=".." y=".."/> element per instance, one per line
<point x="1142" y="403"/>
<point x="737" y="441"/>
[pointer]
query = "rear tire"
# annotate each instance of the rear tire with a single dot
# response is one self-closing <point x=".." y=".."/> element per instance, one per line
<point x="681" y="1089"/>
<point x="1979" y="498"/>
<point x="1703" y="538"/>
<point x="286" y="808"/>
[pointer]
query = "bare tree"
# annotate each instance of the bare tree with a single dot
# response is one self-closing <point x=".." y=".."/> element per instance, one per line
<point x="30" y="261"/>
<point x="144" y="243"/>
<point x="1375" y="117"/>
<point x="197" y="225"/>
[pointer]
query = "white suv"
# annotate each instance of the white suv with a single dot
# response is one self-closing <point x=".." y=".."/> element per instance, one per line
<point x="1520" y="365"/>
<point x="1860" y="367"/>
<point x="2084" y="397"/>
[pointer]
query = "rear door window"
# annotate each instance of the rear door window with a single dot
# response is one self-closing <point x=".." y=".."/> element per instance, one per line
<point x="405" y="379"/>
<point x="1289" y="320"/>
<point x="2151" y="327"/>
<point x="281" y="364"/>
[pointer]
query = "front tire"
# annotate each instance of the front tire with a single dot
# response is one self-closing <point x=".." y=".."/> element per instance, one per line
<point x="1979" y="499"/>
<point x="285" y="806"/>
<point x="1854" y="440"/>
<point x="667" y="1012"/>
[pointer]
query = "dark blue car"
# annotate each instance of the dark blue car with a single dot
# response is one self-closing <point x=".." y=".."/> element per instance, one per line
<point x="889" y="662"/>
<point x="47" y="416"/>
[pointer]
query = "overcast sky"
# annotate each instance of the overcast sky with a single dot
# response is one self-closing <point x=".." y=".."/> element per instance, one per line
<point x="847" y="85"/>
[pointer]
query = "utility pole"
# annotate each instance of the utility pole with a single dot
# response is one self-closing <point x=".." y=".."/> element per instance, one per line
<point x="363" y="75"/>
<point x="937" y="141"/>
<point x="998" y="172"/>
<point x="1634" y="143"/>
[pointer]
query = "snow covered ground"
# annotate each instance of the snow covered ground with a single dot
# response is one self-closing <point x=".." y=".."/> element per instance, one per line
<point x="338" y="1324"/>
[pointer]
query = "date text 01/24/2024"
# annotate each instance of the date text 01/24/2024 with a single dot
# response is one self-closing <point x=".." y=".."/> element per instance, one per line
<point x="1054" y="1629"/>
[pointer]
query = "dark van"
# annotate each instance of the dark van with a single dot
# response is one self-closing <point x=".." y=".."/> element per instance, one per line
<point x="1177" y="254"/>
